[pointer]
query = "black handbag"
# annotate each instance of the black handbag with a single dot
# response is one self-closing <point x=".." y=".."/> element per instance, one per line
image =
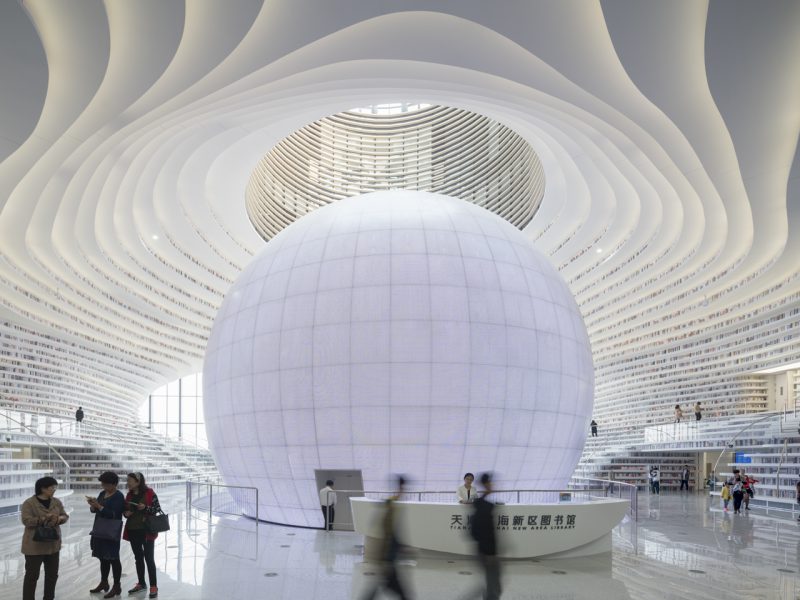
<point x="157" y="523"/>
<point x="106" y="529"/>
<point x="45" y="533"/>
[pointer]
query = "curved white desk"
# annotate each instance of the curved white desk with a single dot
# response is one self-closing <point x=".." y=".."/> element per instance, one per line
<point x="523" y="530"/>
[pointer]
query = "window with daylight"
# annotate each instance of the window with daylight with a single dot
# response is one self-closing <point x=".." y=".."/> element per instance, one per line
<point x="176" y="410"/>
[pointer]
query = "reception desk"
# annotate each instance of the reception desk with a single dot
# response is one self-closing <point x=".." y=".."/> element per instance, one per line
<point x="554" y="530"/>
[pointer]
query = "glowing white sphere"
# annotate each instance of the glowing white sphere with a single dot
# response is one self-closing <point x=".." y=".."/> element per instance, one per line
<point x="396" y="332"/>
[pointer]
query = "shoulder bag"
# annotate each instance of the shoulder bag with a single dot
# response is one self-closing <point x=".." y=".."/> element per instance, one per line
<point x="106" y="529"/>
<point x="157" y="523"/>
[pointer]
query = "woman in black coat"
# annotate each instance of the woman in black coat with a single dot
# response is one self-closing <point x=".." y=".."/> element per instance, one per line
<point x="109" y="504"/>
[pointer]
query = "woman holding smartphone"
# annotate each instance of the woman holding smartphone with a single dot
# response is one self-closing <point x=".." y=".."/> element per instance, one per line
<point x="109" y="504"/>
<point x="141" y="502"/>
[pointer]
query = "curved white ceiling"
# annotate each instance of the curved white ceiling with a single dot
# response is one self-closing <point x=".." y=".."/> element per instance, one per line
<point x="439" y="149"/>
<point x="667" y="130"/>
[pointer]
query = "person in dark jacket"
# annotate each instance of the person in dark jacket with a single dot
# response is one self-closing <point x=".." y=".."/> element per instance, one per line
<point x="41" y="509"/>
<point x="141" y="502"/>
<point x="79" y="419"/>
<point x="593" y="425"/>
<point x="483" y="532"/>
<point x="390" y="552"/>
<point x="109" y="504"/>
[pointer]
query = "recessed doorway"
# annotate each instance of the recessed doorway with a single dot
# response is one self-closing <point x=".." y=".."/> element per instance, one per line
<point x="348" y="483"/>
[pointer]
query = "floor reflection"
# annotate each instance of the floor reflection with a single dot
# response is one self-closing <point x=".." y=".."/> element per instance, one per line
<point x="682" y="547"/>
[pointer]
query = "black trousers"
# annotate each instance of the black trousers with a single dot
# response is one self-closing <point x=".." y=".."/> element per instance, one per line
<point x="328" y="513"/>
<point x="737" y="500"/>
<point x="33" y="566"/>
<point x="391" y="581"/>
<point x="594" y="431"/>
<point x="491" y="569"/>
<point x="111" y="565"/>
<point x="143" y="554"/>
<point x="685" y="483"/>
<point x="698" y="416"/>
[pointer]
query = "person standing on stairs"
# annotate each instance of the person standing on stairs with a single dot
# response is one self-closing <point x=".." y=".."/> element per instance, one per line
<point x="79" y="420"/>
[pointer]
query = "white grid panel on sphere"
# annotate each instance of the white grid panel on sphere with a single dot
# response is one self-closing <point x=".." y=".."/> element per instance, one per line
<point x="396" y="332"/>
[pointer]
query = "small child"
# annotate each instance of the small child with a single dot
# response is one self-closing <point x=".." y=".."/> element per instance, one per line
<point x="726" y="495"/>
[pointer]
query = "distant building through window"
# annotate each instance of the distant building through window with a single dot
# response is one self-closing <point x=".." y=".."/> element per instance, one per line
<point x="176" y="410"/>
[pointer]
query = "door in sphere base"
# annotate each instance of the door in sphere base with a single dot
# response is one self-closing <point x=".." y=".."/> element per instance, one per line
<point x="351" y="484"/>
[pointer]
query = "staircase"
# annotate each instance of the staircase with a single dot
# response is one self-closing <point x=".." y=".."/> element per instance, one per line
<point x="34" y="445"/>
<point x="767" y="446"/>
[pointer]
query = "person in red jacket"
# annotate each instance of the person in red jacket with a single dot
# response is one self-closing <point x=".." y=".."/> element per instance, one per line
<point x="140" y="502"/>
<point x="749" y="489"/>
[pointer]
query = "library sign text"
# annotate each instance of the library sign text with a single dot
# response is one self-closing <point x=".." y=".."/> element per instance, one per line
<point x="505" y="522"/>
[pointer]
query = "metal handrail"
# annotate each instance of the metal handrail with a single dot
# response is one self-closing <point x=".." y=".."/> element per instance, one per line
<point x="67" y="467"/>
<point x="729" y="445"/>
<point x="211" y="486"/>
<point x="419" y="493"/>
<point x="633" y="491"/>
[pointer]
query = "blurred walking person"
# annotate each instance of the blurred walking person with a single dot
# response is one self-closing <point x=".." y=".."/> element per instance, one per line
<point x="390" y="552"/>
<point x="483" y="532"/>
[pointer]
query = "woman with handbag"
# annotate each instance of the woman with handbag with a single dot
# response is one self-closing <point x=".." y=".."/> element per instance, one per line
<point x="108" y="508"/>
<point x="141" y="503"/>
<point x="42" y="514"/>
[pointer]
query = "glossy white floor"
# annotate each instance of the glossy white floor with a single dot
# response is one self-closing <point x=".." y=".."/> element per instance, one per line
<point x="680" y="549"/>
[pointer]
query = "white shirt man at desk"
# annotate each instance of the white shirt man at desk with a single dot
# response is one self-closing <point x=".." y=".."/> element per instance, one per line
<point x="467" y="492"/>
<point x="327" y="501"/>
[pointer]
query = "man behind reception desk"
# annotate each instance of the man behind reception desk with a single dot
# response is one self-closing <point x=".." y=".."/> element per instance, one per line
<point x="467" y="493"/>
<point x="483" y="532"/>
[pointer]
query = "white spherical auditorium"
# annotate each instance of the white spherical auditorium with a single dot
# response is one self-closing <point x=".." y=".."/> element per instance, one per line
<point x="396" y="332"/>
